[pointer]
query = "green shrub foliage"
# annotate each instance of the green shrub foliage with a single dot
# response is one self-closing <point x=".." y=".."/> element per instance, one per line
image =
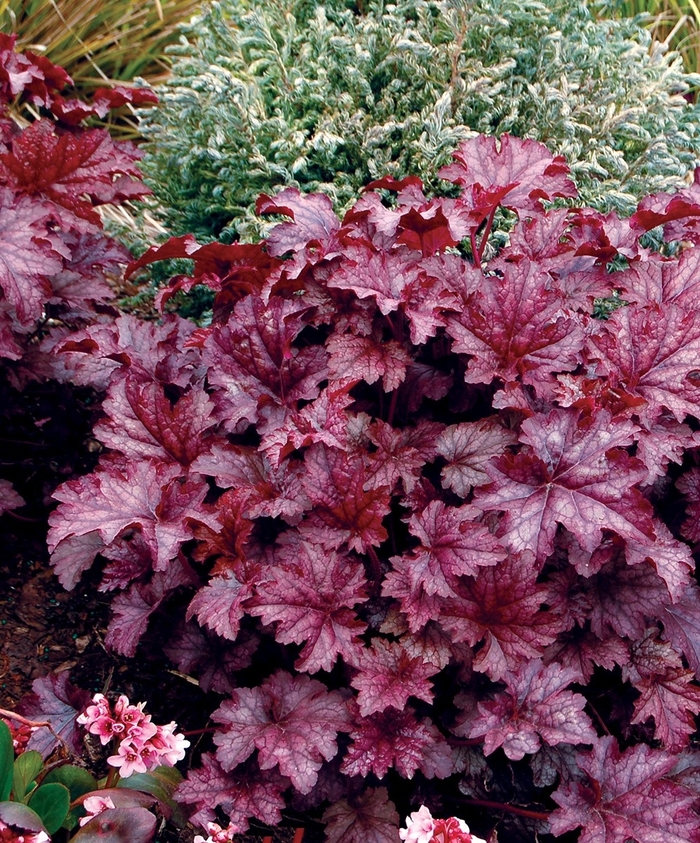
<point x="330" y="96"/>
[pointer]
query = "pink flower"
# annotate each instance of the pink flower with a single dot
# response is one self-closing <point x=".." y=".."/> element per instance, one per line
<point x="422" y="828"/>
<point x="105" y="728"/>
<point x="218" y="834"/>
<point x="100" y="708"/>
<point x="171" y="746"/>
<point x="95" y="805"/>
<point x="128" y="759"/>
<point x="141" y="733"/>
<point x="129" y="714"/>
<point x="419" y="827"/>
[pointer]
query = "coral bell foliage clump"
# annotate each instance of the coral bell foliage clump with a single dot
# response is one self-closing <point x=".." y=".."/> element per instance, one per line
<point x="427" y="524"/>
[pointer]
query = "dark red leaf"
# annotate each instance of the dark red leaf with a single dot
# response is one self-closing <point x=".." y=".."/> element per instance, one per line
<point x="368" y="818"/>
<point x="502" y="608"/>
<point x="310" y="595"/>
<point x="515" y="328"/>
<point x="396" y="739"/>
<point x="241" y="794"/>
<point x="627" y="796"/>
<point x="343" y="511"/>
<point x="388" y="676"/>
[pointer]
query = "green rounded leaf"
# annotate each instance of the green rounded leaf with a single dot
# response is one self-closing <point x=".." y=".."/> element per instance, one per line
<point x="51" y="802"/>
<point x="27" y="767"/>
<point x="7" y="760"/>
<point x="76" y="779"/>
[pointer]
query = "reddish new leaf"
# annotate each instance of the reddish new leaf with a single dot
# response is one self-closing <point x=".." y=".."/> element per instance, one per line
<point x="132" y="609"/>
<point x="535" y="707"/>
<point x="292" y="721"/>
<point x="251" y="360"/>
<point x="666" y="691"/>
<point x="75" y="171"/>
<point x="514" y="172"/>
<point x="269" y="491"/>
<point x="401" y="454"/>
<point x="682" y="626"/>
<point x="314" y="226"/>
<point x="355" y="358"/>
<point x="395" y="280"/>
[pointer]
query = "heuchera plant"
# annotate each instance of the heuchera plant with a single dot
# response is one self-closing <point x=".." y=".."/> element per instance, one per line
<point x="452" y="513"/>
<point x="55" y="260"/>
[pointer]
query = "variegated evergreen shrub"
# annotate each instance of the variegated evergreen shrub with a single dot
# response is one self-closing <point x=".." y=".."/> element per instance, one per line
<point x="328" y="96"/>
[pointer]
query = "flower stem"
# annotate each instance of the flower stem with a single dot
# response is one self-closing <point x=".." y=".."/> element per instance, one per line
<point x="504" y="806"/>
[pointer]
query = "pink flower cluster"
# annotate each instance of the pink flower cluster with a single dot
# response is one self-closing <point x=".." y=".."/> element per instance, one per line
<point x="217" y="834"/>
<point x="142" y="745"/>
<point x="421" y="827"/>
